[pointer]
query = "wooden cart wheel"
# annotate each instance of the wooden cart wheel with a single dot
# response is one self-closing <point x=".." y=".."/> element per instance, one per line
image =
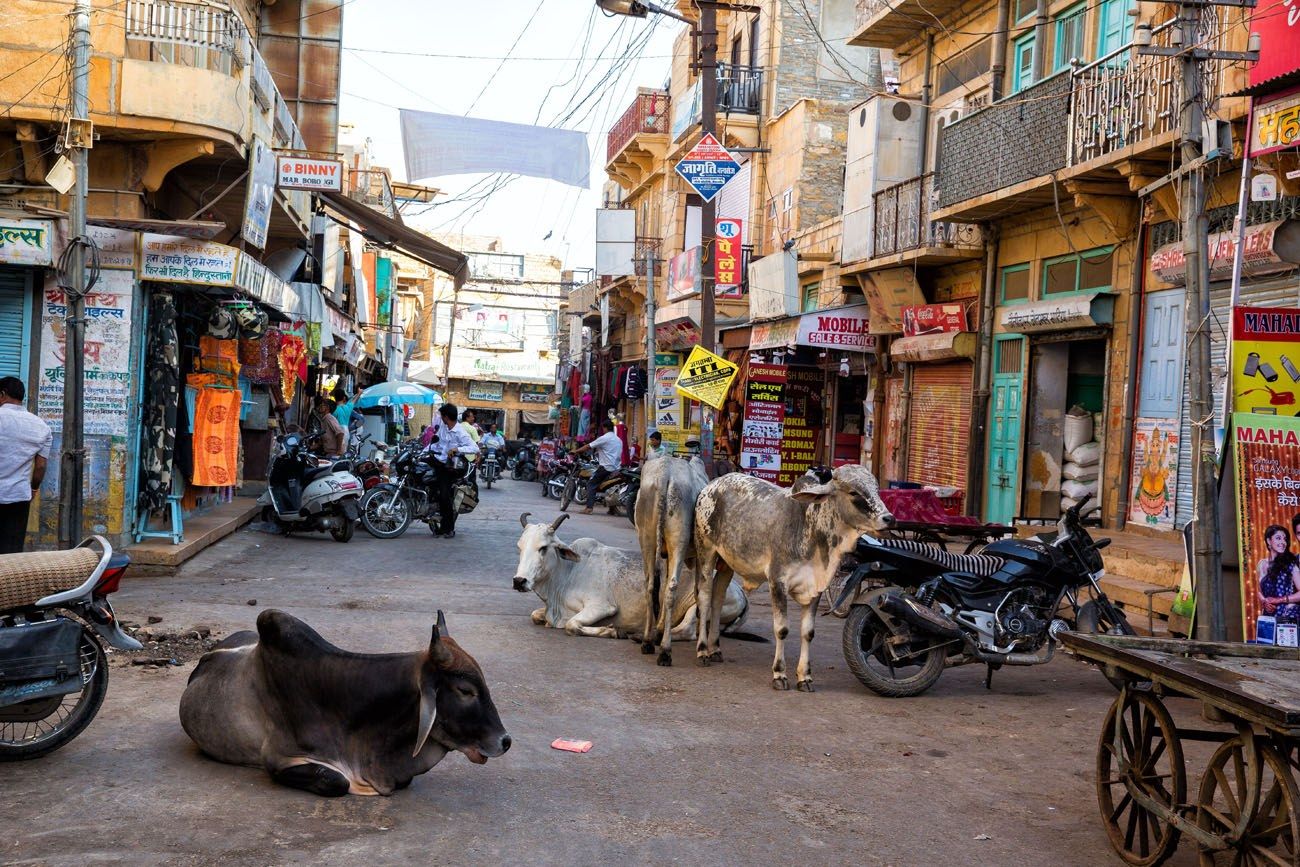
<point x="1264" y="835"/>
<point x="1140" y="751"/>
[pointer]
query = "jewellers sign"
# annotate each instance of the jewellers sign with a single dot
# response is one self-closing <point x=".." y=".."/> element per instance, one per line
<point x="1084" y="311"/>
<point x="26" y="242"/>
<point x="1268" y="248"/>
<point x="305" y="173"/>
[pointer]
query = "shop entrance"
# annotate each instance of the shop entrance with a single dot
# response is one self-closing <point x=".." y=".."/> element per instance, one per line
<point x="1004" y="436"/>
<point x="1063" y="374"/>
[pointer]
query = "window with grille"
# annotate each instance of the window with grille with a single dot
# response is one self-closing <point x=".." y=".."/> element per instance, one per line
<point x="1069" y="37"/>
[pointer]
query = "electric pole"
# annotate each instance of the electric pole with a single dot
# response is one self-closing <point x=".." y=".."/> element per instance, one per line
<point x="72" y="455"/>
<point x="708" y="72"/>
<point x="651" y="403"/>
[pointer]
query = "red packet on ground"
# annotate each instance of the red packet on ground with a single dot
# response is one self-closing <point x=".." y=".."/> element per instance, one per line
<point x="571" y="746"/>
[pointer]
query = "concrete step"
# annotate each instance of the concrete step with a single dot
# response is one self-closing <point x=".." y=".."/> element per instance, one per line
<point x="160" y="556"/>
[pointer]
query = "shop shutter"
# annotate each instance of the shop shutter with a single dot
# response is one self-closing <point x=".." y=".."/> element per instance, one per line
<point x="15" y="326"/>
<point x="938" y="424"/>
<point x="733" y="201"/>
<point x="1279" y="292"/>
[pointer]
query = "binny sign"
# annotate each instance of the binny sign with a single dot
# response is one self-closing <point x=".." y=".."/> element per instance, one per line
<point x="309" y="173"/>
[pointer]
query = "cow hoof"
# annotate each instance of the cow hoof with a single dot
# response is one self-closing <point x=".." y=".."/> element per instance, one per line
<point x="647" y="647"/>
<point x="715" y="656"/>
<point x="665" y="658"/>
<point x="702" y="661"/>
<point x="805" y="686"/>
<point x="780" y="683"/>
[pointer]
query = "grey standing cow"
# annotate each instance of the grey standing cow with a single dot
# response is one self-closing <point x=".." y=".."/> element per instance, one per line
<point x="665" y="527"/>
<point x="792" y="539"/>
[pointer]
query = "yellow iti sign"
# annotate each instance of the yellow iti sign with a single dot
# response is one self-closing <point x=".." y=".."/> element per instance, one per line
<point x="706" y="377"/>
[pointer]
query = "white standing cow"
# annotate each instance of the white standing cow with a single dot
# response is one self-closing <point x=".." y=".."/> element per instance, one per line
<point x="792" y="539"/>
<point x="592" y="589"/>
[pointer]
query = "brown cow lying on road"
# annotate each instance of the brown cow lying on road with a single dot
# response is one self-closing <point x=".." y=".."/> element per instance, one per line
<point x="333" y="722"/>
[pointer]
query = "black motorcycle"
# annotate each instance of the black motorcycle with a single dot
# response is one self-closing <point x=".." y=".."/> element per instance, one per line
<point x="55" y="619"/>
<point x="917" y="608"/>
<point x="388" y="509"/>
<point x="523" y="463"/>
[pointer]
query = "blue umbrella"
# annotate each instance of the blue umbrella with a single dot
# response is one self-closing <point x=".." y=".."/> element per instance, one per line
<point x="396" y="394"/>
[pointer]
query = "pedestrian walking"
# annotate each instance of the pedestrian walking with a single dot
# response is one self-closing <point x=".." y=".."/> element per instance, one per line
<point x="23" y="459"/>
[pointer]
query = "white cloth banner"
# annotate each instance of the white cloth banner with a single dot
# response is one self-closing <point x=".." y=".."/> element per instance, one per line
<point x="438" y="145"/>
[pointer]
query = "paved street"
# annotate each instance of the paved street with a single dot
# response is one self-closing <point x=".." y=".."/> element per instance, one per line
<point x="698" y="766"/>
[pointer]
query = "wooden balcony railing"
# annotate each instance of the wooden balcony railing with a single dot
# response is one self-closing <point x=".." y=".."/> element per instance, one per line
<point x="903" y="220"/>
<point x="647" y="113"/>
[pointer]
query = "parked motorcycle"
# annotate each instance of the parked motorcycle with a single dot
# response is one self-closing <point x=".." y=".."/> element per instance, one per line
<point x="303" y="494"/>
<point x="488" y="470"/>
<point x="555" y="475"/>
<point x="53" y="672"/>
<point x="609" y="492"/>
<point x="370" y="471"/>
<point x="523" y="463"/>
<point x="388" y="509"/>
<point x="917" y="608"/>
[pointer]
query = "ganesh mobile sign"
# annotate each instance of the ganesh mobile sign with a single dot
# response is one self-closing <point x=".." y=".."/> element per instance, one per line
<point x="707" y="167"/>
<point x="308" y="173"/>
<point x="1265" y="360"/>
<point x="706" y="377"/>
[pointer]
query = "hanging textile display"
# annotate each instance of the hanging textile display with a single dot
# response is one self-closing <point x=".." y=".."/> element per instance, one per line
<point x="293" y="355"/>
<point x="220" y="357"/>
<point x="216" y="437"/>
<point x="160" y="393"/>
<point x="260" y="358"/>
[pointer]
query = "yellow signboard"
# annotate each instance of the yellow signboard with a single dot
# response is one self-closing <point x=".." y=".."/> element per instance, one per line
<point x="1265" y="355"/>
<point x="706" y="377"/>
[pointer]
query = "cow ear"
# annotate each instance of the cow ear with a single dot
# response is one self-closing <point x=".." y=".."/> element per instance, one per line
<point x="428" y="713"/>
<point x="567" y="553"/>
<point x="812" y="492"/>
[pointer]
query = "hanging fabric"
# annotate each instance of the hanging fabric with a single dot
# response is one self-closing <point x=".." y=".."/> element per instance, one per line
<point x="216" y="437"/>
<point x="161" y="395"/>
<point x="293" y="360"/>
<point x="260" y="358"/>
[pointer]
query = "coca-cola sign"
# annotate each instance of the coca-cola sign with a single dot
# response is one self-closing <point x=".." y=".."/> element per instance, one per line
<point x="933" y="319"/>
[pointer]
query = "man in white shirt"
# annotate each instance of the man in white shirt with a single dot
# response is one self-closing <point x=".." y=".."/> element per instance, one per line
<point x="608" y="449"/>
<point x="449" y="441"/>
<point x="23" y="459"/>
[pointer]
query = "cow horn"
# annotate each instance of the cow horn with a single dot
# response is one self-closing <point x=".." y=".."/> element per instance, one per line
<point x="442" y="622"/>
<point x="558" y="521"/>
<point x="523" y="520"/>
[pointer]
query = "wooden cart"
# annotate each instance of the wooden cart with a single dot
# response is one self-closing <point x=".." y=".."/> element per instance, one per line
<point x="1245" y="807"/>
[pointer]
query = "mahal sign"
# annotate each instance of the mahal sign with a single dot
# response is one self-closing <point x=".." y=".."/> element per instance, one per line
<point x="26" y="242"/>
<point x="307" y="173"/>
<point x="1275" y="123"/>
<point x="707" y="167"/>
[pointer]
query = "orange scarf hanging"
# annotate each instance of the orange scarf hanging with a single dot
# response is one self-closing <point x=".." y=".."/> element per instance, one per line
<point x="216" y="437"/>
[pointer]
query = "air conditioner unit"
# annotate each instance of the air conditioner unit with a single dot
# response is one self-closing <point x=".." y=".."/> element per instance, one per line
<point x="883" y="148"/>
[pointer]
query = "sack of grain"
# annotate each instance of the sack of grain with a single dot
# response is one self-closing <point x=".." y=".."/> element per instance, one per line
<point x="1080" y="473"/>
<point x="1079" y="490"/>
<point x="1078" y="427"/>
<point x="1086" y="455"/>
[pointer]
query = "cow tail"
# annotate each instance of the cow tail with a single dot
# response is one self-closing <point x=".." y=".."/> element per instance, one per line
<point x="661" y="516"/>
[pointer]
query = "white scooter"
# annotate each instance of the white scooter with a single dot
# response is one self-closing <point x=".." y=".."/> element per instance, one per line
<point x="304" y="494"/>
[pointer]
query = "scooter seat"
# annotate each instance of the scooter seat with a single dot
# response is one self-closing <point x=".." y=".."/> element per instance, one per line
<point x="27" y="578"/>
<point x="983" y="565"/>
<point x="313" y="475"/>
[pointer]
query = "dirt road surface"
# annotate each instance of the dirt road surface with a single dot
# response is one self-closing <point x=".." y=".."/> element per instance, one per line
<point x="690" y="765"/>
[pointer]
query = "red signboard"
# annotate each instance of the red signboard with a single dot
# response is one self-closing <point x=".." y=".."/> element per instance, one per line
<point x="1278" y="24"/>
<point x="764" y="423"/>
<point x="727" y="258"/>
<point x="933" y="319"/>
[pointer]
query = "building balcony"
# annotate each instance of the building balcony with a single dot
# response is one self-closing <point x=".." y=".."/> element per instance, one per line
<point x="890" y="23"/>
<point x="582" y="301"/>
<point x="373" y="188"/>
<point x="740" y="98"/>
<point x="638" y="143"/>
<point x="905" y="233"/>
<point x="1103" y="129"/>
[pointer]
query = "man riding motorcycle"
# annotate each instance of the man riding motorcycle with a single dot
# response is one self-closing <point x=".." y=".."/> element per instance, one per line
<point x="608" y="449"/>
<point x="449" y="440"/>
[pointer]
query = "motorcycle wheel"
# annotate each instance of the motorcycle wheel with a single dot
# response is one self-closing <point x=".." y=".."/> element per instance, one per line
<point x="382" y="526"/>
<point x="569" y="494"/>
<point x="864" y="651"/>
<point x="488" y="477"/>
<point x="33" y="728"/>
<point x="1094" y="619"/>
<point x="517" y="472"/>
<point x="343" y="533"/>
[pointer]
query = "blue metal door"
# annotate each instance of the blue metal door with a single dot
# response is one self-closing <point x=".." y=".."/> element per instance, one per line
<point x="1005" y="414"/>
<point x="15" y="323"/>
<point x="1161" y="387"/>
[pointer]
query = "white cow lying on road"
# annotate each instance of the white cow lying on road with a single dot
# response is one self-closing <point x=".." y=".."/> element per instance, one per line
<point x="592" y="589"/>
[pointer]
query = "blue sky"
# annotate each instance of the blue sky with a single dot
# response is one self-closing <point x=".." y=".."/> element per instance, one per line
<point x="544" y="72"/>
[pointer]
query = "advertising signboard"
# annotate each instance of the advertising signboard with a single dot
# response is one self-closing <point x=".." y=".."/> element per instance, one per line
<point x="707" y="167"/>
<point x="309" y="173"/>
<point x="727" y="258"/>
<point x="921" y="319"/>
<point x="764" y="421"/>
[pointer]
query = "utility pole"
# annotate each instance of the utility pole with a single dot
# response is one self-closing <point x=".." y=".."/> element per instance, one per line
<point x="651" y="405"/>
<point x="72" y="456"/>
<point x="708" y="72"/>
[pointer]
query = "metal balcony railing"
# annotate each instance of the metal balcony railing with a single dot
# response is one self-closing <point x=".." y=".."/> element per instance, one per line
<point x="646" y="247"/>
<point x="371" y="187"/>
<point x="740" y="89"/>
<point x="1125" y="97"/>
<point x="903" y="220"/>
<point x="647" y="113"/>
<point x="200" y="35"/>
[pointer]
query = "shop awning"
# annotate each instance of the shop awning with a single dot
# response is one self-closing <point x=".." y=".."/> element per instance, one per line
<point x="944" y="346"/>
<point x="387" y="232"/>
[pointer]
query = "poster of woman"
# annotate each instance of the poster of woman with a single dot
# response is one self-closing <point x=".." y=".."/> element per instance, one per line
<point x="1267" y="450"/>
